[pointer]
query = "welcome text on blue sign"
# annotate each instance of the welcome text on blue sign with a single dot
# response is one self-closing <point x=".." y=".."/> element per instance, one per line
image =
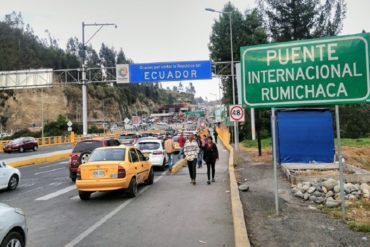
<point x="170" y="71"/>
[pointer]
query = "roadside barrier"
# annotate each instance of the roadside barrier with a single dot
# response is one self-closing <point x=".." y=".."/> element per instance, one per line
<point x="240" y="229"/>
<point x="58" y="140"/>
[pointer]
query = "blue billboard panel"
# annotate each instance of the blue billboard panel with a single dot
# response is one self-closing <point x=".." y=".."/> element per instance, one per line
<point x="170" y="71"/>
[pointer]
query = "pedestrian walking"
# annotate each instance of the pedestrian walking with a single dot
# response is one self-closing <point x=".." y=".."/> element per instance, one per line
<point x="215" y="134"/>
<point x="201" y="143"/>
<point x="169" y="147"/>
<point x="191" y="150"/>
<point x="181" y="142"/>
<point x="210" y="157"/>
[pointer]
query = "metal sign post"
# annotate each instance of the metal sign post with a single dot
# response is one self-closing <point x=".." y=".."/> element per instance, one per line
<point x="273" y="129"/>
<point x="340" y="160"/>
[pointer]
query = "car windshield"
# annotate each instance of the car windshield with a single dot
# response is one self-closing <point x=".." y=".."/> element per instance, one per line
<point x="149" y="145"/>
<point x="111" y="154"/>
<point x="126" y="137"/>
<point x="17" y="141"/>
<point x="87" y="146"/>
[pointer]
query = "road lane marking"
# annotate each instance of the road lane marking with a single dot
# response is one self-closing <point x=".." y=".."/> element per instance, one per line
<point x="51" y="165"/>
<point x="74" y="198"/>
<point x="56" y="193"/>
<point x="99" y="223"/>
<point x="53" y="170"/>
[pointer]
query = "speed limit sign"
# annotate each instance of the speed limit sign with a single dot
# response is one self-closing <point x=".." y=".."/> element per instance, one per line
<point x="236" y="113"/>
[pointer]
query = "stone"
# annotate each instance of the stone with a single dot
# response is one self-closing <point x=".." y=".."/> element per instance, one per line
<point x="299" y="194"/>
<point x="244" y="187"/>
<point x="366" y="193"/>
<point x="319" y="200"/>
<point x="352" y="197"/>
<point x="329" y="194"/>
<point x="364" y="187"/>
<point x="331" y="203"/>
<point x="324" y="189"/>
<point x="336" y="189"/>
<point x="306" y="196"/>
<point x="305" y="188"/>
<point x="295" y="190"/>
<point x="317" y="194"/>
<point x="311" y="190"/>
<point x="312" y="198"/>
<point x="330" y="183"/>
<point x="299" y="186"/>
<point x="349" y="187"/>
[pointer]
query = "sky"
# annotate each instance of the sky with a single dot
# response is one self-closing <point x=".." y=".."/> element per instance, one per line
<point x="149" y="30"/>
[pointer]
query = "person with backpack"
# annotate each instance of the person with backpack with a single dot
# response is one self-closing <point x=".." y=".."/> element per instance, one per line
<point x="191" y="150"/>
<point x="210" y="157"/>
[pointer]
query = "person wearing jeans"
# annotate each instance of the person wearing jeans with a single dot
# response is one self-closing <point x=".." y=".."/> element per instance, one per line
<point x="210" y="157"/>
<point x="191" y="150"/>
<point x="169" y="147"/>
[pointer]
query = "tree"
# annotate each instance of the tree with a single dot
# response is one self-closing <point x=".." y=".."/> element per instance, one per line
<point x="121" y="57"/>
<point x="247" y="30"/>
<point x="107" y="56"/>
<point x="303" y="19"/>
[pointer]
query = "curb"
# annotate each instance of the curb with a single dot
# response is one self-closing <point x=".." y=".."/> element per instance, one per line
<point x="240" y="229"/>
<point x="40" y="160"/>
<point x="177" y="167"/>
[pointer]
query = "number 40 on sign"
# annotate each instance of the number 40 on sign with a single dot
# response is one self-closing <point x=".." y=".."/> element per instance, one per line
<point x="236" y="113"/>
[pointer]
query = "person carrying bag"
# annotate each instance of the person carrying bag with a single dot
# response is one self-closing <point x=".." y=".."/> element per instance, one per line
<point x="210" y="156"/>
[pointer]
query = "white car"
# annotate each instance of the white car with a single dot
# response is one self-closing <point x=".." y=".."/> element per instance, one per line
<point x="153" y="148"/>
<point x="9" y="176"/>
<point x="13" y="227"/>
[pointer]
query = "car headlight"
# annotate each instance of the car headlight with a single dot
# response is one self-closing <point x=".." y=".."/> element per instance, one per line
<point x="19" y="211"/>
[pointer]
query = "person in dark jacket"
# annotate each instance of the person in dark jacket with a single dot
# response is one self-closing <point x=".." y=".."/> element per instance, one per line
<point x="210" y="156"/>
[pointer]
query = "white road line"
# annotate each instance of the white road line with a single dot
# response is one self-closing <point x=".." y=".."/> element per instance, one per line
<point x="51" y="165"/>
<point x="56" y="193"/>
<point x="56" y="169"/>
<point x="74" y="198"/>
<point x="99" y="223"/>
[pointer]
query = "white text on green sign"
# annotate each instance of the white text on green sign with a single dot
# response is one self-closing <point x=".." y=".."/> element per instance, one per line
<point x="321" y="71"/>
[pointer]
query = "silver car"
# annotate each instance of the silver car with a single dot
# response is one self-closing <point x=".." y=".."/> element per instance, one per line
<point x="13" y="227"/>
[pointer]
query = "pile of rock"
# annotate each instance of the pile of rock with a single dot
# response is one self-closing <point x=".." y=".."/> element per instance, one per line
<point x="327" y="191"/>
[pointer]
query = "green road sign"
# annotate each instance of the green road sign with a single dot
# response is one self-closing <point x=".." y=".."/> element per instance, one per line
<point x="333" y="70"/>
<point x="195" y="113"/>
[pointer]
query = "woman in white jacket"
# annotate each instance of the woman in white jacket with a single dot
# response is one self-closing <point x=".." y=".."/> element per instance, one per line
<point x="191" y="150"/>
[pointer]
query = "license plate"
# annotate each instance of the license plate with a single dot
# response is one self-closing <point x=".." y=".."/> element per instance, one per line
<point x="98" y="173"/>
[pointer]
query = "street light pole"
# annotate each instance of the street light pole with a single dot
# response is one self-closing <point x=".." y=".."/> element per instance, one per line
<point x="236" y="134"/>
<point x="84" y="81"/>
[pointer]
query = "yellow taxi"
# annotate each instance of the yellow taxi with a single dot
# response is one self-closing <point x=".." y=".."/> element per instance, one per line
<point x="114" y="168"/>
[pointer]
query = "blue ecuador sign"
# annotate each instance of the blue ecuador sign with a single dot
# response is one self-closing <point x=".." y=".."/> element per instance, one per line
<point x="170" y="71"/>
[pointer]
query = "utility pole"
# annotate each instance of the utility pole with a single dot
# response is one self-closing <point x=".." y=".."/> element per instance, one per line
<point x="83" y="70"/>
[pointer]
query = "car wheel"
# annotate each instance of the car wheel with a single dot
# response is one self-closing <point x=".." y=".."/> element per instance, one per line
<point x="84" y="157"/>
<point x="13" y="239"/>
<point x="132" y="189"/>
<point x="150" y="180"/>
<point x="21" y="149"/>
<point x="13" y="182"/>
<point x="35" y="148"/>
<point x="84" y="195"/>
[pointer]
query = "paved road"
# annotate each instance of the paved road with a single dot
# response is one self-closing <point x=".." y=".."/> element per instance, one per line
<point x="42" y="150"/>
<point x="172" y="212"/>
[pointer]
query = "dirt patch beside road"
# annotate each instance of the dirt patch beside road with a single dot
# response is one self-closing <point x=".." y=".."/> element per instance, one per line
<point x="299" y="223"/>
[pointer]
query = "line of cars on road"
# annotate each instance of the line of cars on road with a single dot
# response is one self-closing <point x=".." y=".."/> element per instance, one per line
<point x="105" y="164"/>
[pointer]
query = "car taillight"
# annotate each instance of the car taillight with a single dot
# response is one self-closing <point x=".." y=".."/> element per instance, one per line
<point x="157" y="152"/>
<point x="121" y="172"/>
<point x="78" y="177"/>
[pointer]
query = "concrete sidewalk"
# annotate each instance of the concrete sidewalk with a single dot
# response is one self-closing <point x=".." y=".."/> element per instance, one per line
<point x="204" y="211"/>
<point x="174" y="212"/>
